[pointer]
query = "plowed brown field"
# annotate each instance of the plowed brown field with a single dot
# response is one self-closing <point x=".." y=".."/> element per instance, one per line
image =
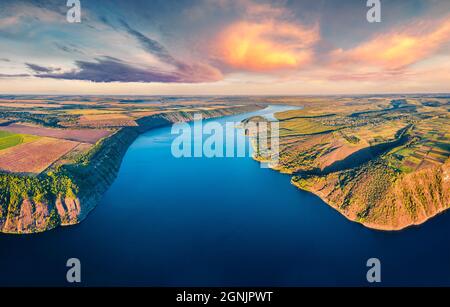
<point x="34" y="157"/>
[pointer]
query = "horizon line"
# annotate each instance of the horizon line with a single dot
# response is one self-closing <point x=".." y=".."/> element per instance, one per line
<point x="228" y="95"/>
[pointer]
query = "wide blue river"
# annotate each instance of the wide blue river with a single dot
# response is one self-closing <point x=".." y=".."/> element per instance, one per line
<point x="170" y="221"/>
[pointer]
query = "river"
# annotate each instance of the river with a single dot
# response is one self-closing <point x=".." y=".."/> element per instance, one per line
<point x="170" y="221"/>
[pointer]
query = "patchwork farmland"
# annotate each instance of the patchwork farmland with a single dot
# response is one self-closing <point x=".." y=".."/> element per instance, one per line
<point x="40" y="133"/>
<point x="9" y="139"/>
<point x="380" y="161"/>
<point x="36" y="156"/>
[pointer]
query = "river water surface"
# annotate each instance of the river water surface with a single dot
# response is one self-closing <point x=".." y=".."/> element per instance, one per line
<point x="220" y="222"/>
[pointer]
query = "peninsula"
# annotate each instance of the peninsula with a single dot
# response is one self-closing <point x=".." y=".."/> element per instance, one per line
<point x="59" y="155"/>
<point x="382" y="161"/>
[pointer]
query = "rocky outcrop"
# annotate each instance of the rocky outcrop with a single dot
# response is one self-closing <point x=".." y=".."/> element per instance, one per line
<point x="83" y="183"/>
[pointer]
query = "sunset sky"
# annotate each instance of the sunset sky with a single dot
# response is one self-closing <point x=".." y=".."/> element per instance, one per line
<point x="234" y="47"/>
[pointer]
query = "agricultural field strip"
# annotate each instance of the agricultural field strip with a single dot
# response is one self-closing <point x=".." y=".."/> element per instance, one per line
<point x="78" y="135"/>
<point x="36" y="156"/>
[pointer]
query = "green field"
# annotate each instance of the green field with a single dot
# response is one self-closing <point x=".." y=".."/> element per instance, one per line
<point x="303" y="126"/>
<point x="8" y="139"/>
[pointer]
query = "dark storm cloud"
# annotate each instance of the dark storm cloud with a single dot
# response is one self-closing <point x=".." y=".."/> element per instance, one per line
<point x="108" y="69"/>
<point x="112" y="69"/>
<point x="41" y="69"/>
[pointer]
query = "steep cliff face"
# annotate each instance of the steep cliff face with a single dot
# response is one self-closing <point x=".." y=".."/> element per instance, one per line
<point x="413" y="199"/>
<point x="67" y="195"/>
<point x="376" y="197"/>
<point x="32" y="216"/>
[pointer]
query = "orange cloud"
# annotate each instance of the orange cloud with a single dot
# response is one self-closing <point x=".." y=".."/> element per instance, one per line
<point x="266" y="46"/>
<point x="398" y="49"/>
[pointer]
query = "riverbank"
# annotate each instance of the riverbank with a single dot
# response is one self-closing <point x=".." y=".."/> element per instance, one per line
<point x="360" y="179"/>
<point x="65" y="196"/>
<point x="428" y="189"/>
